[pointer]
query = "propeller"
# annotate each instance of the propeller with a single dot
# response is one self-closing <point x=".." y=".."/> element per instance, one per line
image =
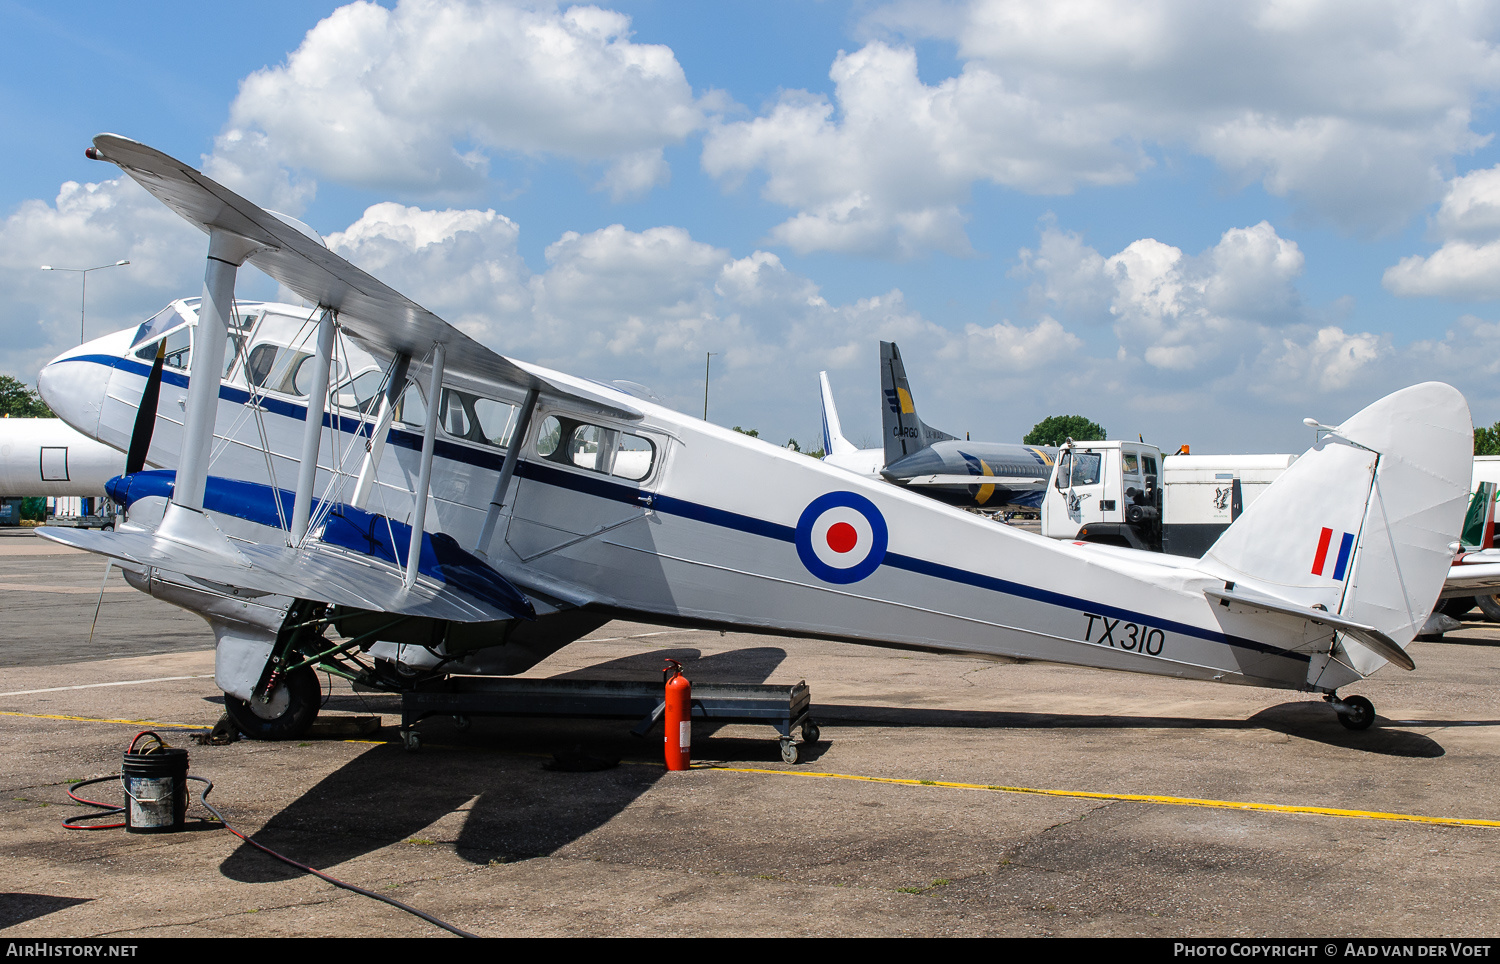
<point x="145" y="416"/>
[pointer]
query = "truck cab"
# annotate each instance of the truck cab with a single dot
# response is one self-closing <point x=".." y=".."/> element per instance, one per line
<point x="1105" y="492"/>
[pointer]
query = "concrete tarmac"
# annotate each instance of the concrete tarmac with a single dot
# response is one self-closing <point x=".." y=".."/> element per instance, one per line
<point x="473" y="829"/>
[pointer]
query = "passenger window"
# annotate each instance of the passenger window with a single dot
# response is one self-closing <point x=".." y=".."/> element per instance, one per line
<point x="1132" y="465"/>
<point x="475" y="418"/>
<point x="412" y="409"/>
<point x="278" y="369"/>
<point x="361" y="392"/>
<point x="633" y="460"/>
<point x="607" y="451"/>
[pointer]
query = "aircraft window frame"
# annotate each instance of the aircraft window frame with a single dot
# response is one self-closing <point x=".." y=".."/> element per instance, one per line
<point x="475" y="417"/>
<point x="367" y="406"/>
<point x="287" y="368"/>
<point x="585" y="441"/>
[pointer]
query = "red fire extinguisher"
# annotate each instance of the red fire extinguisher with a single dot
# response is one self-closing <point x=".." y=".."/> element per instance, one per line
<point x="678" y="717"/>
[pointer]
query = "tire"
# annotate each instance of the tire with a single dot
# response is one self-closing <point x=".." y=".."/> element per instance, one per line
<point x="1361" y="713"/>
<point x="1457" y="607"/>
<point x="1490" y="606"/>
<point x="293" y="706"/>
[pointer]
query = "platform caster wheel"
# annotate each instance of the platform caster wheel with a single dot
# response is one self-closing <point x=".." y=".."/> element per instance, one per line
<point x="286" y="715"/>
<point x="810" y="732"/>
<point x="790" y="752"/>
<point x="1360" y="713"/>
<point x="411" y="740"/>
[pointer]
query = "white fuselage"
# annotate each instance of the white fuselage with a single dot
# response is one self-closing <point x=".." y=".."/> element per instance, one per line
<point x="675" y="518"/>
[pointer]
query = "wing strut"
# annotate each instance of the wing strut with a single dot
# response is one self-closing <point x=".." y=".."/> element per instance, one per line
<point x="226" y="252"/>
<point x="312" y="429"/>
<point x="424" y="479"/>
<point x="512" y="455"/>
<point x="394" y="386"/>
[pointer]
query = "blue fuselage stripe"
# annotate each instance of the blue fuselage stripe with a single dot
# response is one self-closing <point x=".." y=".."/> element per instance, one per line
<point x="604" y="488"/>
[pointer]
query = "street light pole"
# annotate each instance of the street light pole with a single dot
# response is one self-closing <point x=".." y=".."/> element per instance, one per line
<point x="707" y="357"/>
<point x="84" y="295"/>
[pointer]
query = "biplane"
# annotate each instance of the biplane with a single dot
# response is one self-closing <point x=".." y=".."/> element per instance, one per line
<point x="360" y="488"/>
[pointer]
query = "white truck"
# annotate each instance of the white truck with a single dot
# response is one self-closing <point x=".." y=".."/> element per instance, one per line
<point x="1129" y="494"/>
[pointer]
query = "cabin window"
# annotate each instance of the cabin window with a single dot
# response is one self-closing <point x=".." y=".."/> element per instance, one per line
<point x="475" y="418"/>
<point x="607" y="451"/>
<point x="1149" y="464"/>
<point x="362" y="392"/>
<point x="278" y="369"/>
<point x="412" y="408"/>
<point x="1132" y="463"/>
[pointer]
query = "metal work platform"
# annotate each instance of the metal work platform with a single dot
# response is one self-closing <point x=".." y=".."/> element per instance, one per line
<point x="786" y="708"/>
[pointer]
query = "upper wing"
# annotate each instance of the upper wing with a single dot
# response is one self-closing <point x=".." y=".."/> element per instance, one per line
<point x="368" y="309"/>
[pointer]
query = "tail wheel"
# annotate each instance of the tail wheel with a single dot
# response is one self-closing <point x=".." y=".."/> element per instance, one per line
<point x="1359" y="713"/>
<point x="291" y="709"/>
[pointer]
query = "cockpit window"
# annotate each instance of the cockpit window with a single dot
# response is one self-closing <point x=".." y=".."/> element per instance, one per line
<point x="179" y="349"/>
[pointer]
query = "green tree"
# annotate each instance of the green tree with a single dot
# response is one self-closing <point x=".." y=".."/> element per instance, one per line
<point x="1487" y="440"/>
<point x="753" y="433"/>
<point x="17" y="400"/>
<point x="1057" y="429"/>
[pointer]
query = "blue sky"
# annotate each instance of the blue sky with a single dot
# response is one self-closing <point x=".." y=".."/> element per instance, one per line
<point x="1193" y="222"/>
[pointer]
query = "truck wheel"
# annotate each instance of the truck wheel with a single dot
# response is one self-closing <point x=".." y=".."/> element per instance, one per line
<point x="293" y="706"/>
<point x="1490" y="606"/>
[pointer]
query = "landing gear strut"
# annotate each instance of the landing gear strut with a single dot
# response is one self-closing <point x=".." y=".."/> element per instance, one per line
<point x="1355" y="712"/>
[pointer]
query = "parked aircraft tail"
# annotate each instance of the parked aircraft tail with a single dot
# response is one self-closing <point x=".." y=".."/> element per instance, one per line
<point x="904" y="432"/>
<point x="1360" y="527"/>
<point x="834" y="442"/>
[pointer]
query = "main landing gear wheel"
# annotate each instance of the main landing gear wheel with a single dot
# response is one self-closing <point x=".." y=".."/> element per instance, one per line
<point x="1360" y="713"/>
<point x="286" y="715"/>
<point x="1490" y="606"/>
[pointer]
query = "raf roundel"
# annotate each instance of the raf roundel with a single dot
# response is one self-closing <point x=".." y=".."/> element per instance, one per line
<point x="841" y="537"/>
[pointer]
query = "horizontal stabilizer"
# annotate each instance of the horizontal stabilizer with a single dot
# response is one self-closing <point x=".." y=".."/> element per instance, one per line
<point x="1371" y="637"/>
<point x="371" y="311"/>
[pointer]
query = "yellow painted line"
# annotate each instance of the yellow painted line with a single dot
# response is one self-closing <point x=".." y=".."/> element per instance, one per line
<point x="94" y="719"/>
<point x="1134" y="797"/>
<point x="950" y="785"/>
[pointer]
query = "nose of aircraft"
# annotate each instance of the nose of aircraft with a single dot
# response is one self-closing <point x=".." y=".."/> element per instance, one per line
<point x="74" y="384"/>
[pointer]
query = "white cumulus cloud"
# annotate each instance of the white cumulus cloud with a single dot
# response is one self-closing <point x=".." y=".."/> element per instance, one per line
<point x="419" y="97"/>
<point x="1354" y="110"/>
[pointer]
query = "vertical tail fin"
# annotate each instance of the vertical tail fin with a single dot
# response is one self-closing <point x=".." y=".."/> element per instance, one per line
<point x="1361" y="525"/>
<point x="834" y="442"/>
<point x="904" y="432"/>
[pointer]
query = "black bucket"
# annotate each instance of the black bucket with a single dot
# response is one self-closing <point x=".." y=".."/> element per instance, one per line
<point x="155" y="790"/>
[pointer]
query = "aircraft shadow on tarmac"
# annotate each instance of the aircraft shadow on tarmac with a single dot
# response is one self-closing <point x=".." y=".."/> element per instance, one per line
<point x="19" y="908"/>
<point x="1305" y="720"/>
<point x="511" y="808"/>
